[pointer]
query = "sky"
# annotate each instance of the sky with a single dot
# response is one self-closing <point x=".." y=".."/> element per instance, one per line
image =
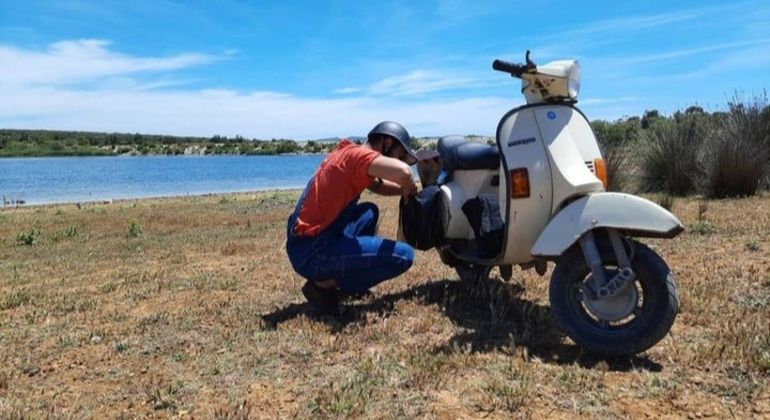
<point x="317" y="69"/>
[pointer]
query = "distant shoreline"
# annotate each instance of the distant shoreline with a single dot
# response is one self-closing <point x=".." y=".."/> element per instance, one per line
<point x="235" y="195"/>
<point x="17" y="143"/>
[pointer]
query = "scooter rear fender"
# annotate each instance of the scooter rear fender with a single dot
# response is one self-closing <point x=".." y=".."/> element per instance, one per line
<point x="633" y="215"/>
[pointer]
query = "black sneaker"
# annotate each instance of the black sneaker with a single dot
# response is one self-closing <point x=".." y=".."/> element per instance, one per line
<point x="324" y="301"/>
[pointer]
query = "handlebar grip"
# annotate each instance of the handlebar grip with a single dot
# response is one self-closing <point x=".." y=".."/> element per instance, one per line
<point x="504" y="66"/>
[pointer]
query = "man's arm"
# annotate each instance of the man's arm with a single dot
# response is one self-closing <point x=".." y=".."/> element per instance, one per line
<point x="396" y="171"/>
<point x="384" y="187"/>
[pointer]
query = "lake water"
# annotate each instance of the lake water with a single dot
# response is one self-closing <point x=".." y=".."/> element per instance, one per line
<point x="78" y="179"/>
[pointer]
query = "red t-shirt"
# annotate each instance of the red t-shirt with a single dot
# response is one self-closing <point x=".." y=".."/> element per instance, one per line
<point x="342" y="176"/>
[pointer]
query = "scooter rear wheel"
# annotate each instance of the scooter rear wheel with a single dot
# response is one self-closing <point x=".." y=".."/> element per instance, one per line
<point x="629" y="323"/>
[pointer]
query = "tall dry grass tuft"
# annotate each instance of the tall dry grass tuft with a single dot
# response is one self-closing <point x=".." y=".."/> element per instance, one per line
<point x="615" y="140"/>
<point x="669" y="155"/>
<point x="616" y="162"/>
<point x="738" y="158"/>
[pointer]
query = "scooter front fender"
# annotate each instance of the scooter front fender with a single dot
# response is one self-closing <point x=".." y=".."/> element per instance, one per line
<point x="634" y="215"/>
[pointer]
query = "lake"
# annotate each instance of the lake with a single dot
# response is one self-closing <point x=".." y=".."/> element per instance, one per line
<point x="78" y="179"/>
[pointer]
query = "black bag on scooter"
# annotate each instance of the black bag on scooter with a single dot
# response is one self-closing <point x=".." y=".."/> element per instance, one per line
<point x="420" y="219"/>
<point x="483" y="214"/>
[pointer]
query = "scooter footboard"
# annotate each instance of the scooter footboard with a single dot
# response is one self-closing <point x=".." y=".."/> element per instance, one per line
<point x="634" y="215"/>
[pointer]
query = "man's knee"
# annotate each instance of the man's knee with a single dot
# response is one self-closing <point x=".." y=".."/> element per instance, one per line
<point x="370" y="208"/>
<point x="404" y="256"/>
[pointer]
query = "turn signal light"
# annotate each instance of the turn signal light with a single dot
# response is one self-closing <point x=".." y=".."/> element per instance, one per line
<point x="519" y="183"/>
<point x="601" y="171"/>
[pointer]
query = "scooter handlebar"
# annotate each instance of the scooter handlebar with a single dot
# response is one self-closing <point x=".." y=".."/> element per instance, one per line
<point x="515" y="70"/>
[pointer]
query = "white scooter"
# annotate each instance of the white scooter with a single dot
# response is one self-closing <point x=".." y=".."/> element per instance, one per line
<point x="539" y="195"/>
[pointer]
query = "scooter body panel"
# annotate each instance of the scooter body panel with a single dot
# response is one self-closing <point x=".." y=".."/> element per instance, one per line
<point x="571" y="147"/>
<point x="555" y="143"/>
<point x="464" y="186"/>
<point x="521" y="145"/>
<point x="634" y="215"/>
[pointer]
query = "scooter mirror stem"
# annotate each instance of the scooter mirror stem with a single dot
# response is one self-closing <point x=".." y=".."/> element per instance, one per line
<point x="530" y="63"/>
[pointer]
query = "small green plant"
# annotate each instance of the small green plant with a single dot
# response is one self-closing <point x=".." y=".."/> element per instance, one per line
<point x="703" y="227"/>
<point x="762" y="356"/>
<point x="164" y="397"/>
<point x="15" y="298"/>
<point x="226" y="199"/>
<point x="752" y="245"/>
<point x="71" y="231"/>
<point x="134" y="229"/>
<point x="29" y="237"/>
<point x="121" y="347"/>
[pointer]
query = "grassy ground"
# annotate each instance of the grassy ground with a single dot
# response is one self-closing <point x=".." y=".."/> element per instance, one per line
<point x="189" y="307"/>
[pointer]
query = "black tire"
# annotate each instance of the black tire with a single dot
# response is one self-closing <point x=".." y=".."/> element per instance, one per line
<point x="651" y="321"/>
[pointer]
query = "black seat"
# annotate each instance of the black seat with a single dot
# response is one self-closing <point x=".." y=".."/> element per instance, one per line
<point x="458" y="153"/>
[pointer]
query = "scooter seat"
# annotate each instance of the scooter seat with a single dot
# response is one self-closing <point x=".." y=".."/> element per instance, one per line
<point x="458" y="153"/>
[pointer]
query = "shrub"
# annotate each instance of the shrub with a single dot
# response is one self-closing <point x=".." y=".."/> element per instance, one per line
<point x="71" y="231"/>
<point x="669" y="155"/>
<point x="702" y="227"/>
<point x="134" y="229"/>
<point x="29" y="237"/>
<point x="617" y="164"/>
<point x="614" y="140"/>
<point x="737" y="159"/>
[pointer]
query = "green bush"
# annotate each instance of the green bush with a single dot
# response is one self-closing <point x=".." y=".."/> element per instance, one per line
<point x="670" y="155"/>
<point x="71" y="231"/>
<point x="134" y="229"/>
<point x="737" y="158"/>
<point x="702" y="227"/>
<point x="615" y="140"/>
<point x="29" y="237"/>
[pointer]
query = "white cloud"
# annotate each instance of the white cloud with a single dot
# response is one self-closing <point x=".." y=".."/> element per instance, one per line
<point x="348" y="90"/>
<point x="257" y="114"/>
<point x="45" y="96"/>
<point x="669" y="55"/>
<point x="81" y="61"/>
<point x="418" y="82"/>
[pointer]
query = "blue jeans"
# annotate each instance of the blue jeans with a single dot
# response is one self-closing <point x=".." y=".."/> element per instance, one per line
<point x="347" y="251"/>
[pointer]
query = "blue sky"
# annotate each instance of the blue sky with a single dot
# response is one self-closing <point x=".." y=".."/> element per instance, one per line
<point x="313" y="69"/>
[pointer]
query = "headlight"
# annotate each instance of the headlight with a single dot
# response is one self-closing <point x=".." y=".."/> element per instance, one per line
<point x="573" y="83"/>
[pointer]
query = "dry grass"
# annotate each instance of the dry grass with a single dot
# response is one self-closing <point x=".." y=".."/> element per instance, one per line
<point x="200" y="315"/>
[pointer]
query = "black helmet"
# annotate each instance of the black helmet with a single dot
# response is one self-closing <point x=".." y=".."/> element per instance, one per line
<point x="398" y="132"/>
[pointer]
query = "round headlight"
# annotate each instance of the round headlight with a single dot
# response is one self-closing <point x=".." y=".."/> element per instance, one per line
<point x="573" y="83"/>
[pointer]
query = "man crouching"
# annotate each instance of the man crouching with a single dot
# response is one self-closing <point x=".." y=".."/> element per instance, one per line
<point x="331" y="238"/>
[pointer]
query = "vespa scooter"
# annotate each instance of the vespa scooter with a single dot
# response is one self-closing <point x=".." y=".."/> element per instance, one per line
<point x="538" y="195"/>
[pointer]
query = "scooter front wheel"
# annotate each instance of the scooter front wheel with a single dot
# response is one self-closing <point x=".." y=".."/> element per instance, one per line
<point x="631" y="321"/>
